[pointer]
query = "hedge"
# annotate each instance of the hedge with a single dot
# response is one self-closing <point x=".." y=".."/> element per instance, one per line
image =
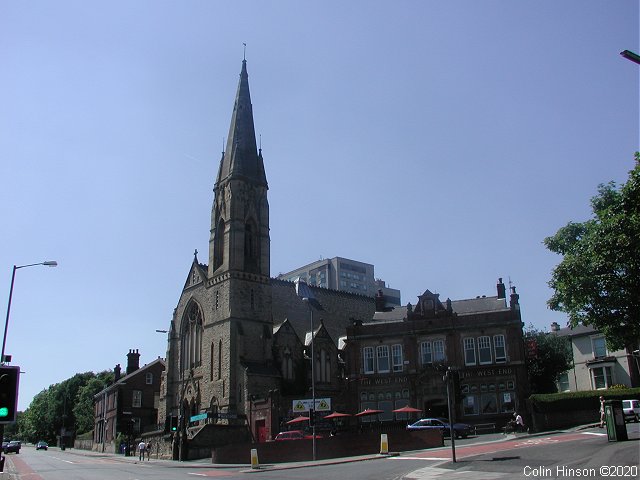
<point x="585" y="400"/>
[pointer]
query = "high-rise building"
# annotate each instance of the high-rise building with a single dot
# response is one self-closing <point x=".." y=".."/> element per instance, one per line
<point x="344" y="274"/>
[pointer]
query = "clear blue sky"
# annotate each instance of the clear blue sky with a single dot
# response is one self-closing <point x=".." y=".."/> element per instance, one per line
<point x="440" y="141"/>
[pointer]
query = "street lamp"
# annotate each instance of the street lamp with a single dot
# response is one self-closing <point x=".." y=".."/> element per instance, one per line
<point x="629" y="55"/>
<point x="49" y="263"/>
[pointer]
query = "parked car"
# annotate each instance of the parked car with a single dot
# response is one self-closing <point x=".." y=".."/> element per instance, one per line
<point x="461" y="430"/>
<point x="631" y="410"/>
<point x="294" y="435"/>
<point x="12" y="446"/>
<point x="41" y="445"/>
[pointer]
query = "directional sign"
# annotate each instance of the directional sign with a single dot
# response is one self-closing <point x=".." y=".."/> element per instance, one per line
<point x="195" y="418"/>
<point x="303" y="405"/>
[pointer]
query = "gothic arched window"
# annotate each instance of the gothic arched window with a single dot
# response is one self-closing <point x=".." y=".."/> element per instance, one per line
<point x="218" y="245"/>
<point x="192" y="325"/>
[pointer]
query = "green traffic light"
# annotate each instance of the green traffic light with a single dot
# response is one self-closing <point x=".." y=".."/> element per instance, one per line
<point x="4" y="411"/>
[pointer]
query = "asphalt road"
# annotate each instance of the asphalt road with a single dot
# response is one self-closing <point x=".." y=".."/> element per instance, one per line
<point x="556" y="456"/>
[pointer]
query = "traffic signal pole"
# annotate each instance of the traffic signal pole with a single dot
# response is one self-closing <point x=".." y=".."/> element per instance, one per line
<point x="448" y="378"/>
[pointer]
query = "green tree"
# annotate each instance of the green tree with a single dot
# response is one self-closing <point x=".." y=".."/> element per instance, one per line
<point x="597" y="282"/>
<point x="553" y="356"/>
<point x="83" y="409"/>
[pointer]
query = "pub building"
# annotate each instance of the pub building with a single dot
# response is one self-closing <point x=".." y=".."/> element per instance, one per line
<point x="399" y="358"/>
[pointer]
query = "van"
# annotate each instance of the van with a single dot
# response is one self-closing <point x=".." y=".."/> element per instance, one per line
<point x="631" y="410"/>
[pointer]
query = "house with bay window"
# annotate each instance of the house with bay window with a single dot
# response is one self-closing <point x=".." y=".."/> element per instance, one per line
<point x="595" y="367"/>
<point x="398" y="358"/>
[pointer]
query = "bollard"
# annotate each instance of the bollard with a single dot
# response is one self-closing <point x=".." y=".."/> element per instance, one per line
<point x="254" y="458"/>
<point x="384" y="444"/>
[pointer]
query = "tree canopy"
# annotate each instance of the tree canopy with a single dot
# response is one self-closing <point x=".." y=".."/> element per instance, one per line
<point x="553" y="356"/>
<point x="597" y="282"/>
<point x="68" y="404"/>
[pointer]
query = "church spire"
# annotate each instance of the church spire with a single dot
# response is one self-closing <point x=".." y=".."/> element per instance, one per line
<point x="241" y="157"/>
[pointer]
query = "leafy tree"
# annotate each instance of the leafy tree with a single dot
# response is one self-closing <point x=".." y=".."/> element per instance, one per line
<point x="83" y="409"/>
<point x="598" y="280"/>
<point x="553" y="357"/>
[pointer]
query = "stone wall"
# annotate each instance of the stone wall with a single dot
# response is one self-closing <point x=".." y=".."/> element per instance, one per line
<point x="344" y="445"/>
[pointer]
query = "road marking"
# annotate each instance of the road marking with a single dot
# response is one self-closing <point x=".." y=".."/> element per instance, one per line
<point x="65" y="461"/>
<point x="598" y="434"/>
<point x="420" y="458"/>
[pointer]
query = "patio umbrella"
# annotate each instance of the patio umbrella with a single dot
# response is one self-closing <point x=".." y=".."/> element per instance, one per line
<point x="407" y="409"/>
<point x="337" y="415"/>
<point x="369" y="411"/>
<point x="298" y="420"/>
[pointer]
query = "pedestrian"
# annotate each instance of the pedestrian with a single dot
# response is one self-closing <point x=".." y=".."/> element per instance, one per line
<point x="601" y="411"/>
<point x="148" y="450"/>
<point x="141" y="448"/>
<point x="519" y="423"/>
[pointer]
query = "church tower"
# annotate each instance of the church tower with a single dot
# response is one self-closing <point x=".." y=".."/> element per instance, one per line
<point x="240" y="327"/>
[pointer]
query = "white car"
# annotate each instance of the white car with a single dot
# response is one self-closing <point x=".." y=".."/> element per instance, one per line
<point x="631" y="410"/>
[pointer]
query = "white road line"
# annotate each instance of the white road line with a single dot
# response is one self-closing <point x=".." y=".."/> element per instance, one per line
<point x="420" y="458"/>
<point x="594" y="433"/>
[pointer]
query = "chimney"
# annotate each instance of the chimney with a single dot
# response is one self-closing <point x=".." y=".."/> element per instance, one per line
<point x="555" y="327"/>
<point x="502" y="291"/>
<point x="515" y="305"/>
<point x="133" y="361"/>
<point x="380" y="303"/>
<point x="116" y="373"/>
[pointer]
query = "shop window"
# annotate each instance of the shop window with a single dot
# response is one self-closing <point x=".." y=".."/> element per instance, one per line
<point x="484" y="350"/>
<point x="470" y="405"/>
<point x="488" y="403"/>
<point x="469" y="351"/>
<point x="499" y="349"/>
<point x="507" y="402"/>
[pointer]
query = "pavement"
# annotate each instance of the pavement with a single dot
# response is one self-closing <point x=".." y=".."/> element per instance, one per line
<point x="428" y="472"/>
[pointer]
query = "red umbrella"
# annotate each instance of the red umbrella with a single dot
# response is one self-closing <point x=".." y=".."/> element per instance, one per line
<point x="298" y="420"/>
<point x="337" y="415"/>
<point x="369" y="411"/>
<point x="407" y="409"/>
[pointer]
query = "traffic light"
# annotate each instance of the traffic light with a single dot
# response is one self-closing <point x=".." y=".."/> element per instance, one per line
<point x="9" y="379"/>
<point x="173" y="423"/>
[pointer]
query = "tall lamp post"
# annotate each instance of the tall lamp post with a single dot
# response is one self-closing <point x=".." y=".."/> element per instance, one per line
<point x="49" y="263"/>
<point x="6" y="323"/>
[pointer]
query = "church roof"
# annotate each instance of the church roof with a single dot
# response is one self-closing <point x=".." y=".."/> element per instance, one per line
<point x="241" y="157"/>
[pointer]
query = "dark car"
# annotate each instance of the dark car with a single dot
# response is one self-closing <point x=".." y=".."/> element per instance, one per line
<point x="12" y="446"/>
<point x="461" y="430"/>
<point x="42" y="445"/>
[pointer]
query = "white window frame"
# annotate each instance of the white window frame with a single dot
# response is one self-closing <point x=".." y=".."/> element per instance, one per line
<point x="438" y="351"/>
<point x="484" y="347"/>
<point x="426" y="354"/>
<point x="607" y="375"/>
<point x="593" y="346"/>
<point x="148" y="378"/>
<point x="368" y="360"/>
<point x="499" y="348"/>
<point x="469" y="346"/>
<point x="397" y="358"/>
<point x="382" y="352"/>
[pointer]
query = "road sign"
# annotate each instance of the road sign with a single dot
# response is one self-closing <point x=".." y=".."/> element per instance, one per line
<point x="303" y="405"/>
<point x="195" y="418"/>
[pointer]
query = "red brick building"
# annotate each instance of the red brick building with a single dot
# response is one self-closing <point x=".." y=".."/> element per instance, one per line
<point x="399" y="358"/>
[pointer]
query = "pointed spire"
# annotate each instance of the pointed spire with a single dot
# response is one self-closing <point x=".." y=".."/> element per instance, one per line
<point x="241" y="157"/>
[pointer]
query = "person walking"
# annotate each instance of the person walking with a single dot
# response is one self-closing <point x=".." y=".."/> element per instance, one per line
<point x="141" y="449"/>
<point x="519" y="423"/>
<point x="148" y="451"/>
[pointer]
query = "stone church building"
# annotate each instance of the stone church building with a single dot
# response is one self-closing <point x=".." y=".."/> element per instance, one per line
<point x="238" y="346"/>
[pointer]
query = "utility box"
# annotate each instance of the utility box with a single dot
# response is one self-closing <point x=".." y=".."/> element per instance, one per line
<point x="616" y="427"/>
